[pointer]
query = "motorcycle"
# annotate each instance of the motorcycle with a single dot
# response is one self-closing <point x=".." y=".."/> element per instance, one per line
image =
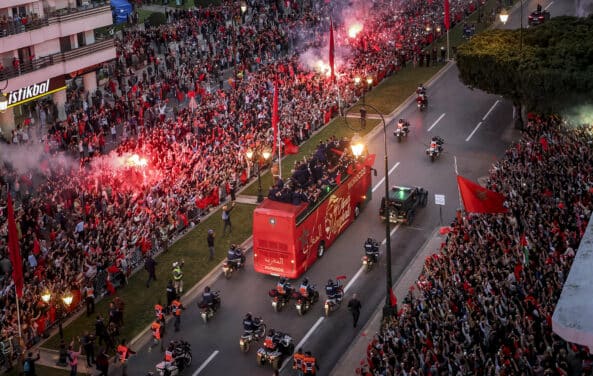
<point x="182" y="359"/>
<point x="333" y="302"/>
<point x="370" y="258"/>
<point x="208" y="311"/>
<point x="255" y="335"/>
<point x="421" y="103"/>
<point x="434" y="150"/>
<point x="280" y="300"/>
<point x="284" y="348"/>
<point x="229" y="266"/>
<point x="303" y="303"/>
<point x="401" y="130"/>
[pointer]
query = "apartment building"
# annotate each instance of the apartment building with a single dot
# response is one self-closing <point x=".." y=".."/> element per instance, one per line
<point x="44" y="44"/>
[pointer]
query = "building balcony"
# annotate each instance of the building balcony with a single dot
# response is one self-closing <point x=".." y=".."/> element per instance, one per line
<point x="59" y="63"/>
<point x="56" y="23"/>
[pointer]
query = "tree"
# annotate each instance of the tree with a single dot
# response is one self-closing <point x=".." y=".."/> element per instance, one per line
<point x="553" y="70"/>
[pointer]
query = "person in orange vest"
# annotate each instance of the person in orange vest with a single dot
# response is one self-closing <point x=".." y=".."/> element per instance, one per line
<point x="157" y="334"/>
<point x="89" y="299"/>
<point x="297" y="362"/>
<point x="124" y="353"/>
<point x="169" y="354"/>
<point x="310" y="366"/>
<point x="159" y="313"/>
<point x="176" y="308"/>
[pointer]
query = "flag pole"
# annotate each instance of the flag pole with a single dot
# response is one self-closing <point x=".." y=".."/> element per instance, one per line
<point x="18" y="311"/>
<point x="279" y="152"/>
<point x="448" y="56"/>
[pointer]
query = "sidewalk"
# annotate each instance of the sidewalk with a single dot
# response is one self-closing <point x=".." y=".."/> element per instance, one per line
<point x="351" y="358"/>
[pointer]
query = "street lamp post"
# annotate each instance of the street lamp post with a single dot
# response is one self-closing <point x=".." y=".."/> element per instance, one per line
<point x="504" y="17"/>
<point x="255" y="155"/>
<point x="388" y="310"/>
<point x="66" y="300"/>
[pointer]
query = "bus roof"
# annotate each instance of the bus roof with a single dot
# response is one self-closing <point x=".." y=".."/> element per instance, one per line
<point x="278" y="208"/>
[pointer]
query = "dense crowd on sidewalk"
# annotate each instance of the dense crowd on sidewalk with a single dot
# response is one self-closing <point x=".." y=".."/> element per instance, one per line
<point x="88" y="224"/>
<point x="483" y="304"/>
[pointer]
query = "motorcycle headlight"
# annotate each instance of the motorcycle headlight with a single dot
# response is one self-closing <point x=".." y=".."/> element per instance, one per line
<point x="241" y="342"/>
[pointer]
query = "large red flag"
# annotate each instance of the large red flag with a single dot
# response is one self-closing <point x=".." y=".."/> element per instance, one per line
<point x="447" y="15"/>
<point x="289" y="147"/>
<point x="275" y="117"/>
<point x="14" y="251"/>
<point x="331" y="48"/>
<point x="477" y="199"/>
<point x="392" y="298"/>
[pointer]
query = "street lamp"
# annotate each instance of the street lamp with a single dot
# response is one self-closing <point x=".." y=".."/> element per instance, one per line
<point x="255" y="155"/>
<point x="357" y="147"/>
<point x="504" y="17"/>
<point x="66" y="301"/>
<point x="243" y="10"/>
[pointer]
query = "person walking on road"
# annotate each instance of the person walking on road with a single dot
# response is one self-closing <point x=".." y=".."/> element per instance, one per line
<point x="176" y="308"/>
<point x="354" y="307"/>
<point x="297" y="362"/>
<point x="29" y="364"/>
<point x="310" y="366"/>
<point x="210" y="240"/>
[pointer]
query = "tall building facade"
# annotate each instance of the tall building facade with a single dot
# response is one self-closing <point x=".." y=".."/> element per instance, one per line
<point x="43" y="45"/>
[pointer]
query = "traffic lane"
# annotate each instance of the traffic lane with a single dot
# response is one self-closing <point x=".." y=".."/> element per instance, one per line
<point x="556" y="8"/>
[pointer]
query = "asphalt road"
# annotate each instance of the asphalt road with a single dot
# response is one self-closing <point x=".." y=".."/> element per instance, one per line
<point x="476" y="128"/>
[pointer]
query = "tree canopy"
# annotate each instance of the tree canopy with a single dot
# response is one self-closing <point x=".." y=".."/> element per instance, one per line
<point x="552" y="70"/>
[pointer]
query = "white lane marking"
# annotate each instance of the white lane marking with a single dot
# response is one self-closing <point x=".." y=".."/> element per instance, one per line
<point x="455" y="164"/>
<point x="206" y="363"/>
<point x="313" y="328"/>
<point x="474" y="131"/>
<point x="436" y="122"/>
<point x="391" y="233"/>
<point x="358" y="273"/>
<point x="549" y="5"/>
<point x="490" y="110"/>
<point x="383" y="178"/>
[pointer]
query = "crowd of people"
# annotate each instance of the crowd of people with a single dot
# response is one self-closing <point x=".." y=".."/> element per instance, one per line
<point x="312" y="178"/>
<point x="90" y="223"/>
<point x="483" y="304"/>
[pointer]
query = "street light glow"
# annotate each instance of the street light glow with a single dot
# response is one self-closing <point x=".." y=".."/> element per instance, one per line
<point x="504" y="16"/>
<point x="356" y="145"/>
<point x="249" y="153"/>
<point x="67" y="299"/>
<point x="266" y="154"/>
<point x="46" y="296"/>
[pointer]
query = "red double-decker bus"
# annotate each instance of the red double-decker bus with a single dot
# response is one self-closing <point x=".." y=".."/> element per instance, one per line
<point x="287" y="238"/>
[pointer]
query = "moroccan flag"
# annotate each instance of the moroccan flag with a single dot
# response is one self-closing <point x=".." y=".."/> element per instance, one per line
<point x="477" y="199"/>
<point x="289" y="147"/>
<point x="525" y="245"/>
<point x="392" y="298"/>
<point x="331" y="49"/>
<point x="447" y="15"/>
<point x="13" y="250"/>
<point x="275" y="117"/>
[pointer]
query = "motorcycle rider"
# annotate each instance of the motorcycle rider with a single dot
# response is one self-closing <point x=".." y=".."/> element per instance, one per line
<point x="235" y="256"/>
<point x="422" y="99"/>
<point x="403" y="125"/>
<point x="436" y="144"/>
<point x="371" y="249"/>
<point x="271" y="340"/>
<point x="248" y="324"/>
<point x="332" y="290"/>
<point x="421" y="89"/>
<point x="283" y="286"/>
<point x="208" y="298"/>
<point x="306" y="290"/>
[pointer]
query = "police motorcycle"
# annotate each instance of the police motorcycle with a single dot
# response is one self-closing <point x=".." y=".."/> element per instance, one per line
<point x="402" y="128"/>
<point x="421" y="97"/>
<point x="435" y="148"/>
<point x="254" y="329"/>
<point x="208" y="310"/>
<point x="335" y="293"/>
<point x="371" y="254"/>
<point x="281" y="294"/>
<point x="181" y="359"/>
<point x="305" y="297"/>
<point x="235" y="261"/>
<point x="277" y="346"/>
